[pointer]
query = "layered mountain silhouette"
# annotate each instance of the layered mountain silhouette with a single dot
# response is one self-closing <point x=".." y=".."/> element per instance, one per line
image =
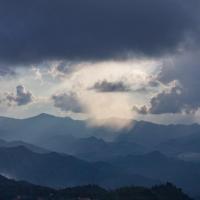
<point x="31" y="147"/>
<point x="61" y="170"/>
<point x="60" y="152"/>
<point x="75" y="137"/>
<point x="151" y="135"/>
<point x="156" y="165"/>
<point x="188" y="146"/>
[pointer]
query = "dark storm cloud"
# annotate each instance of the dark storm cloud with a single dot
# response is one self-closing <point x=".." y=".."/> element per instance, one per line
<point x="185" y="69"/>
<point x="67" y="102"/>
<point x="171" y="102"/>
<point x="22" y="96"/>
<point x="185" y="96"/>
<point x="106" y="86"/>
<point x="166" y="102"/>
<point x="37" y="30"/>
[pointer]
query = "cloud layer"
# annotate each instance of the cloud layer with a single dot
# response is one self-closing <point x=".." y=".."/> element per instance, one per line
<point x="34" y="31"/>
<point x="101" y="58"/>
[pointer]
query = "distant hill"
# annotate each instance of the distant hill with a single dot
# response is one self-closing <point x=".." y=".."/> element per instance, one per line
<point x="75" y="137"/>
<point x="10" y="190"/>
<point x="60" y="170"/>
<point x="188" y="146"/>
<point x="39" y="127"/>
<point x="151" y="135"/>
<point x="31" y="147"/>
<point x="92" y="148"/>
<point x="158" y="166"/>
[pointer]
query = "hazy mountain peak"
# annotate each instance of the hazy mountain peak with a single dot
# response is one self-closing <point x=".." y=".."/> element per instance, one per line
<point x="43" y="115"/>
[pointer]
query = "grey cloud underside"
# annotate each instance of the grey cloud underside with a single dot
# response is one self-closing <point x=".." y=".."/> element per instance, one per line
<point x="173" y="102"/>
<point x="123" y="86"/>
<point x="22" y="96"/>
<point x="67" y="102"/>
<point x="33" y="31"/>
<point x="106" y="86"/>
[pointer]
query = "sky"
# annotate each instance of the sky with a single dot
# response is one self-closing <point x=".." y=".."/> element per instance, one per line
<point x="101" y="60"/>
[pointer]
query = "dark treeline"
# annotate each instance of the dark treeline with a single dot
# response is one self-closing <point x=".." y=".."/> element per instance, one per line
<point x="13" y="190"/>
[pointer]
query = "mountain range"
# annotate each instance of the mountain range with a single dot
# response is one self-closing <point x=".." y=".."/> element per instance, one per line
<point x="74" y="137"/>
<point x="61" y="170"/>
<point x="61" y="152"/>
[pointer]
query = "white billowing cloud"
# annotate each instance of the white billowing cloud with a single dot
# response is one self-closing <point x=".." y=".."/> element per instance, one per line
<point x="135" y="74"/>
<point x="37" y="74"/>
<point x="124" y="83"/>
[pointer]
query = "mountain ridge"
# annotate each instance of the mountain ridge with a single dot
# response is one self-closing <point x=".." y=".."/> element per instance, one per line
<point x="61" y="170"/>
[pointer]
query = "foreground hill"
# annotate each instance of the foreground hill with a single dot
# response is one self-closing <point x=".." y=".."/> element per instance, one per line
<point x="60" y="170"/>
<point x="11" y="190"/>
